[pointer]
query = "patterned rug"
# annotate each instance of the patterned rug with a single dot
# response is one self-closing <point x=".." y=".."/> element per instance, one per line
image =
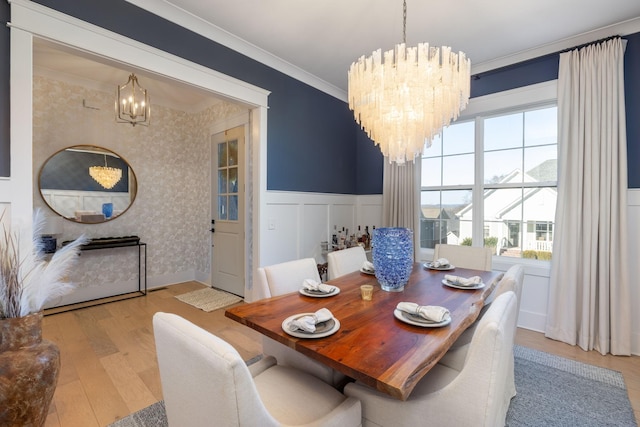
<point x="209" y="299"/>
<point x="552" y="391"/>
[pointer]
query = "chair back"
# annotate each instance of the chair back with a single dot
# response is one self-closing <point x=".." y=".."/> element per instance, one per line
<point x="345" y="261"/>
<point x="279" y="279"/>
<point x="204" y="379"/>
<point x="465" y="256"/>
<point x="489" y="363"/>
<point x="511" y="281"/>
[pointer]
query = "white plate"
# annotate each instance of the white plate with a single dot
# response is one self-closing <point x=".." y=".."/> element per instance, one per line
<point x="313" y="294"/>
<point x="428" y="265"/>
<point x="418" y="321"/>
<point x="325" y="329"/>
<point x="453" y="285"/>
<point x="369" y="272"/>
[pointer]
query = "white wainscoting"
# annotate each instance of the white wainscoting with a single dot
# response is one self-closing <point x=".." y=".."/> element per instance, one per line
<point x="294" y="224"/>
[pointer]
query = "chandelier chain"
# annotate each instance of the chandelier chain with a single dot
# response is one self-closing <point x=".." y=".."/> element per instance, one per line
<point x="404" y="22"/>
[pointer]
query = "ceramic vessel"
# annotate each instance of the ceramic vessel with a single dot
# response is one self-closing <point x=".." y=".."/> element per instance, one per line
<point x="393" y="257"/>
<point x="29" y="368"/>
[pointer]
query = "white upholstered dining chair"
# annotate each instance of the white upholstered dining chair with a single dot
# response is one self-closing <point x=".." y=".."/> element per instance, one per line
<point x="473" y="396"/>
<point x="205" y="382"/>
<point x="345" y="261"/>
<point x="512" y="280"/>
<point x="465" y="256"/>
<point x="279" y="279"/>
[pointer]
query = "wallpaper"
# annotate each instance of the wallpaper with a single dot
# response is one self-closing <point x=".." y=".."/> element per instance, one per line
<point x="171" y="161"/>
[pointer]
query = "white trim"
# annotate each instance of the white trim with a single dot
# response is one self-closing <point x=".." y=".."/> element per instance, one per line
<point x="539" y="93"/>
<point x="198" y="25"/>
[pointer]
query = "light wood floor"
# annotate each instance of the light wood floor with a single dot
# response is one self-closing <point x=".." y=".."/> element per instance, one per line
<point x="109" y="367"/>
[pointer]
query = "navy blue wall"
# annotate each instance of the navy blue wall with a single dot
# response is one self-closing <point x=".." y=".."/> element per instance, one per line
<point x="313" y="142"/>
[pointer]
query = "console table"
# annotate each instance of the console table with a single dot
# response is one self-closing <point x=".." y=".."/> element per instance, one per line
<point x="111" y="243"/>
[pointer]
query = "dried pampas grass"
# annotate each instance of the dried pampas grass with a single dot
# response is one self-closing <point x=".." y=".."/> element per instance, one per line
<point x="28" y="283"/>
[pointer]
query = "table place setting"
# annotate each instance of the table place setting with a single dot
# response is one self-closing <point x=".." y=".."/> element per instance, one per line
<point x="426" y="316"/>
<point x="458" y="282"/>
<point x="315" y="289"/>
<point x="368" y="268"/>
<point x="441" y="264"/>
<point x="311" y="325"/>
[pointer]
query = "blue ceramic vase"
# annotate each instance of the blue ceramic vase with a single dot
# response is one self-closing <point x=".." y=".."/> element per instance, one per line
<point x="107" y="210"/>
<point x="393" y="257"/>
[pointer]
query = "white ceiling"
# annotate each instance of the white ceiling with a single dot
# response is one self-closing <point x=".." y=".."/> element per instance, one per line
<point x="323" y="37"/>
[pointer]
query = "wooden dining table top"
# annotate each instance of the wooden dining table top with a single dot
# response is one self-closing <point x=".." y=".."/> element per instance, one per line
<point x="372" y="346"/>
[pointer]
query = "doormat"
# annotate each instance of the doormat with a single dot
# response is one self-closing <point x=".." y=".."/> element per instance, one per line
<point x="209" y="299"/>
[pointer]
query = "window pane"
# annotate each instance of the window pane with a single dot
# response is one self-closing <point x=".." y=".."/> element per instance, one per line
<point x="222" y="207"/>
<point x="440" y="220"/>
<point x="503" y="216"/>
<point x="458" y="138"/>
<point x="503" y="166"/>
<point x="431" y="172"/>
<point x="540" y="126"/>
<point x="541" y="163"/>
<point x="435" y="149"/>
<point x="222" y="181"/>
<point x="503" y="132"/>
<point x="233" y="152"/>
<point x="539" y="209"/>
<point x="222" y="154"/>
<point x="458" y="170"/>
<point x="233" y="180"/>
<point x="233" y="208"/>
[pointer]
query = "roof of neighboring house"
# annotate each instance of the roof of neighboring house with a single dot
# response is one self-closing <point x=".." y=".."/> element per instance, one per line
<point x="545" y="171"/>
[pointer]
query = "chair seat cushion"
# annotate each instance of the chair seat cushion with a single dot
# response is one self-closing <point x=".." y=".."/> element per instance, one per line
<point x="308" y="398"/>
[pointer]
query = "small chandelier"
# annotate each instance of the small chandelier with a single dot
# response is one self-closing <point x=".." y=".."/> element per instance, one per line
<point x="403" y="102"/>
<point x="132" y="103"/>
<point x="106" y="176"/>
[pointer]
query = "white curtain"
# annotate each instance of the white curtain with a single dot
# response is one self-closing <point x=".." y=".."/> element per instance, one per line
<point x="400" y="195"/>
<point x="589" y="299"/>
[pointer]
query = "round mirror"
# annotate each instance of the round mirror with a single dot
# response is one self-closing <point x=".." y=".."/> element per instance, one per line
<point x="87" y="184"/>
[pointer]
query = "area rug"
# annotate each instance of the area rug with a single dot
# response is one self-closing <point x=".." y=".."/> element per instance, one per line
<point x="209" y="299"/>
<point x="552" y="391"/>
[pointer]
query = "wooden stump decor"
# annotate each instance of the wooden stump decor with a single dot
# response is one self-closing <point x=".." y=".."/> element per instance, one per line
<point x="29" y="368"/>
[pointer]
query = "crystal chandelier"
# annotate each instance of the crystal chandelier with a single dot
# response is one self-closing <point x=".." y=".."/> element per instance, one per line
<point x="132" y="103"/>
<point x="106" y="176"/>
<point x="403" y="102"/>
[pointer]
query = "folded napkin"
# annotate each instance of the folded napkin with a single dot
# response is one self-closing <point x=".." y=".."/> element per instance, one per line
<point x="440" y="262"/>
<point x="312" y="285"/>
<point x="368" y="266"/>
<point x="462" y="281"/>
<point x="432" y="313"/>
<point x="308" y="323"/>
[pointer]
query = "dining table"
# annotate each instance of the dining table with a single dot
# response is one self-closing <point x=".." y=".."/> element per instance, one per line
<point x="372" y="344"/>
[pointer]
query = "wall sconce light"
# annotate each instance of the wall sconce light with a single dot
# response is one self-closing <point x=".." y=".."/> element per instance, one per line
<point x="132" y="103"/>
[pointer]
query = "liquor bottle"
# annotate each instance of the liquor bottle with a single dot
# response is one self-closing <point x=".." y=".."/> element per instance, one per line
<point x="359" y="235"/>
<point x="334" y="237"/>
<point x="367" y="237"/>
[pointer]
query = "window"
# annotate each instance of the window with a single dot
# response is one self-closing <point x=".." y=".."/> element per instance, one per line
<point x="491" y="180"/>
